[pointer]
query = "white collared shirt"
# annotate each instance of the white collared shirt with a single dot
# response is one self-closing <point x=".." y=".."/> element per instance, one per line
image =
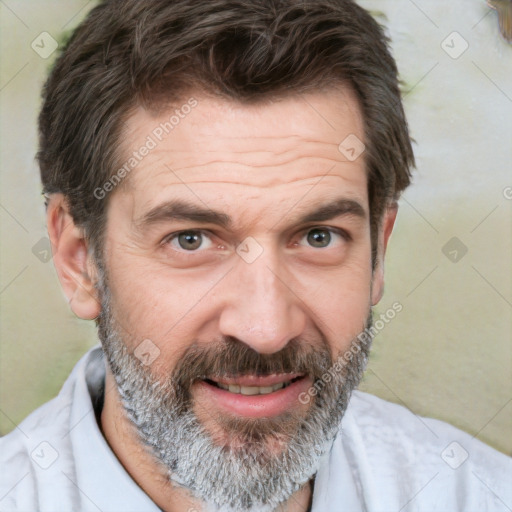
<point x="384" y="459"/>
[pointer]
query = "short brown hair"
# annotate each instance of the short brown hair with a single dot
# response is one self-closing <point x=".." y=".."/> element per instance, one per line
<point x="152" y="52"/>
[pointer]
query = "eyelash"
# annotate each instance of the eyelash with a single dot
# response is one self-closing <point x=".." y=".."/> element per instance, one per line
<point x="174" y="236"/>
<point x="344" y="235"/>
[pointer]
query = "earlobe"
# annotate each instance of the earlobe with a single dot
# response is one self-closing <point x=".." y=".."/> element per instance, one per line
<point x="70" y="256"/>
<point x="386" y="227"/>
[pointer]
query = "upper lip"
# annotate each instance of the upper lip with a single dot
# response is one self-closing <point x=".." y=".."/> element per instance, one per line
<point x="254" y="380"/>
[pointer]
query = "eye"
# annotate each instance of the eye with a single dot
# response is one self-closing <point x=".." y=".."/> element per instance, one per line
<point x="318" y="238"/>
<point x="321" y="238"/>
<point x="189" y="241"/>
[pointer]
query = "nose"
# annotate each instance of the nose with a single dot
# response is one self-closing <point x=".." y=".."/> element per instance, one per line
<point x="261" y="309"/>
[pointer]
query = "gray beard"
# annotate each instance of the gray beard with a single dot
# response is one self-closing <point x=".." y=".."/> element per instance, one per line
<point x="242" y="474"/>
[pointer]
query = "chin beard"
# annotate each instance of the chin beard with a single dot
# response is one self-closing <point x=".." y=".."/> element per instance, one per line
<point x="242" y="464"/>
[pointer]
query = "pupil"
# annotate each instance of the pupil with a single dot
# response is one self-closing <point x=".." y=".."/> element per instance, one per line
<point x="319" y="238"/>
<point x="189" y="241"/>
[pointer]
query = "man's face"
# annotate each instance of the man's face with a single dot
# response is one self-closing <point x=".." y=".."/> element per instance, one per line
<point x="240" y="245"/>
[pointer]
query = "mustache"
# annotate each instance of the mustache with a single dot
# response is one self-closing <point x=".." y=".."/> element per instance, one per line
<point x="231" y="358"/>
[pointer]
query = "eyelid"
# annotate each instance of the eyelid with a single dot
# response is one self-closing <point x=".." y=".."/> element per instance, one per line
<point x="208" y="234"/>
<point x="173" y="236"/>
<point x="336" y="230"/>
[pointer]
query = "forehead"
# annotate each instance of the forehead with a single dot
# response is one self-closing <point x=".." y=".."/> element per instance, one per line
<point x="209" y="149"/>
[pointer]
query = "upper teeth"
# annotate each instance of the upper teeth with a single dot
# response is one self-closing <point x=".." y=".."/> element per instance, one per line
<point x="252" y="390"/>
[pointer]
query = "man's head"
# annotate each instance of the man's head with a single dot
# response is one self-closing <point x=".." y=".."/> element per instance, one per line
<point x="223" y="179"/>
<point x="129" y="53"/>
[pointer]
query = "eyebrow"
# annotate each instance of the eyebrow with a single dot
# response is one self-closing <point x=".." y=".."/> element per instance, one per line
<point x="179" y="210"/>
<point x="337" y="208"/>
<point x="182" y="210"/>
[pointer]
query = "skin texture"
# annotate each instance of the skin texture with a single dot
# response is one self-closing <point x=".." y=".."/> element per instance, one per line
<point x="265" y="166"/>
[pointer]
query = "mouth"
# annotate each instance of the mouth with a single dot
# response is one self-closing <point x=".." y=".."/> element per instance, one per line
<point x="253" y="396"/>
<point x="252" y="386"/>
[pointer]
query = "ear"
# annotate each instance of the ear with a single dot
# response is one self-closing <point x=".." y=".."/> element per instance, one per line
<point x="385" y="229"/>
<point x="76" y="270"/>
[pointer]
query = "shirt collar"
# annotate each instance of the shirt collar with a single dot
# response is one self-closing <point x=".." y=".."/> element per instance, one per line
<point x="101" y="478"/>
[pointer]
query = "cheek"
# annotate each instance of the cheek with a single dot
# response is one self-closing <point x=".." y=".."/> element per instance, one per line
<point x="173" y="308"/>
<point x="152" y="302"/>
<point x="340" y="301"/>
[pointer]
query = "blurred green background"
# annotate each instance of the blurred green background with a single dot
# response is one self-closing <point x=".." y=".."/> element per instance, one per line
<point x="448" y="354"/>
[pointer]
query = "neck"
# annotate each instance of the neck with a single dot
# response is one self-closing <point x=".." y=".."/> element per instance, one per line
<point x="145" y="470"/>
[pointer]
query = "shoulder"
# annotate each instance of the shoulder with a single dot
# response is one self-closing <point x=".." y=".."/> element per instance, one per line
<point x="398" y="452"/>
<point x="28" y="455"/>
<point x="29" y="452"/>
<point x="389" y="423"/>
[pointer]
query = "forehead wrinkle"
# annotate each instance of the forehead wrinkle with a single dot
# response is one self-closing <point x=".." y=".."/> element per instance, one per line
<point x="276" y="180"/>
<point x="172" y="167"/>
<point x="285" y="149"/>
<point x="292" y="141"/>
<point x="300" y="147"/>
<point x="138" y="174"/>
<point x="135" y="133"/>
<point x="252" y="166"/>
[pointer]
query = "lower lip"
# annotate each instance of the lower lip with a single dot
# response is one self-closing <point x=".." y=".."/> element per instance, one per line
<point x="255" y="406"/>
